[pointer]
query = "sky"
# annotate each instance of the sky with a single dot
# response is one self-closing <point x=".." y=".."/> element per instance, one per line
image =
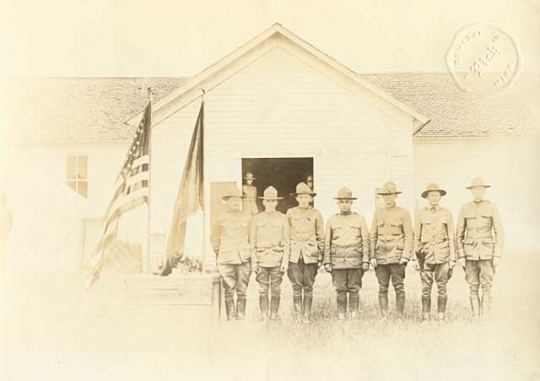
<point x="156" y="38"/>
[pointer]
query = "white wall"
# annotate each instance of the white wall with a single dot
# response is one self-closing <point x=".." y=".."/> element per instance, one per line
<point x="280" y="107"/>
<point x="511" y="166"/>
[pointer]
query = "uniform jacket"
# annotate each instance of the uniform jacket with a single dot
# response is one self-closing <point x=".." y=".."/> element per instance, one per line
<point x="434" y="236"/>
<point x="230" y="237"/>
<point x="346" y="241"/>
<point x="307" y="234"/>
<point x="249" y="203"/>
<point x="391" y="235"/>
<point x="270" y="236"/>
<point x="479" y="231"/>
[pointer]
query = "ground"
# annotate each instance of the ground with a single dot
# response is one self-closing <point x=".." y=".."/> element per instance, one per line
<point x="55" y="331"/>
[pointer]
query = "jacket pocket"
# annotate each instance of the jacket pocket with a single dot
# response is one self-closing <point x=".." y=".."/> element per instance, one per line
<point x="396" y="227"/>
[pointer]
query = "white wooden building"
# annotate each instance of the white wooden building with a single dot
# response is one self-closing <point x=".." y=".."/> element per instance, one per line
<point x="280" y="108"/>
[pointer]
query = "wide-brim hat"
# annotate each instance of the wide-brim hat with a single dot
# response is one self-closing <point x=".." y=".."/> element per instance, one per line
<point x="345" y="194"/>
<point x="302" y="188"/>
<point x="478" y="182"/>
<point x="232" y="192"/>
<point x="249" y="176"/>
<point x="270" y="193"/>
<point x="433" y="188"/>
<point x="389" y="188"/>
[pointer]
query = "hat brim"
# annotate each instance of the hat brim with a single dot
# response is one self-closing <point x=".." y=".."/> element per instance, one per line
<point x="426" y="192"/>
<point x="310" y="194"/>
<point x="478" y="186"/>
<point x="271" y="199"/>
<point x="345" y="198"/>
<point x="225" y="198"/>
<point x="388" y="193"/>
<point x="250" y="178"/>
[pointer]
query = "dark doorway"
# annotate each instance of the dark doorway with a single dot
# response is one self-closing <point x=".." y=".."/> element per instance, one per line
<point x="282" y="173"/>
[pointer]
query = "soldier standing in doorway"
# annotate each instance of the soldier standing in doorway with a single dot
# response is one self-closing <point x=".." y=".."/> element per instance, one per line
<point x="391" y="247"/>
<point x="435" y="249"/>
<point x="346" y="253"/>
<point x="249" y="191"/>
<point x="270" y="236"/>
<point x="480" y="240"/>
<point x="307" y="244"/>
<point x="230" y="242"/>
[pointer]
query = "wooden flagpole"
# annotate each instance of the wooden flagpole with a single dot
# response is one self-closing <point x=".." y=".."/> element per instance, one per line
<point x="146" y="246"/>
<point x="204" y="246"/>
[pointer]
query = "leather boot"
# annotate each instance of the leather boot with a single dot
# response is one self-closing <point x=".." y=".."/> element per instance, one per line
<point x="341" y="306"/>
<point x="354" y="303"/>
<point x="383" y="303"/>
<point x="486" y="304"/>
<point x="297" y="302"/>
<point x="308" y="301"/>
<point x="240" y="309"/>
<point x="400" y="304"/>
<point x="426" y="307"/>
<point x="263" y="305"/>
<point x="230" y="309"/>
<point x="274" y="307"/>
<point x="441" y="307"/>
<point x="475" y="306"/>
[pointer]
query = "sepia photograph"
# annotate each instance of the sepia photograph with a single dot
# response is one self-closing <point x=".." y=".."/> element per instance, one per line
<point x="269" y="190"/>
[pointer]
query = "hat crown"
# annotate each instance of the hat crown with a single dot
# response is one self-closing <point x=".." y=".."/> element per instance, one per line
<point x="433" y="187"/>
<point x="477" y="182"/>
<point x="249" y="176"/>
<point x="302" y="188"/>
<point x="389" y="187"/>
<point x="233" y="192"/>
<point x="270" y="192"/>
<point x="344" y="193"/>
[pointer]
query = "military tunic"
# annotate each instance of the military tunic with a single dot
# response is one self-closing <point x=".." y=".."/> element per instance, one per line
<point x="391" y="240"/>
<point x="480" y="238"/>
<point x="346" y="249"/>
<point x="270" y="236"/>
<point x="230" y="241"/>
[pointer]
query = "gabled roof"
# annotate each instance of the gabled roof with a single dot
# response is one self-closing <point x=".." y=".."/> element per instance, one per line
<point x="456" y="113"/>
<point x="273" y="37"/>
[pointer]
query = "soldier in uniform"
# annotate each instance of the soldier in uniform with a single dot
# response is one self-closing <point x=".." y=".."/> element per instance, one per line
<point x="230" y="242"/>
<point x="435" y="249"/>
<point x="346" y="253"/>
<point x="250" y="195"/>
<point x="480" y="239"/>
<point x="391" y="247"/>
<point x="307" y="243"/>
<point x="270" y="236"/>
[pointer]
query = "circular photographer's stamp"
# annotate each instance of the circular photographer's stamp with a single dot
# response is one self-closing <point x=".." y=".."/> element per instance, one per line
<point x="483" y="59"/>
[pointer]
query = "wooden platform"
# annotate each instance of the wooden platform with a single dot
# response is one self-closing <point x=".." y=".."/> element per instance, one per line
<point x="177" y="292"/>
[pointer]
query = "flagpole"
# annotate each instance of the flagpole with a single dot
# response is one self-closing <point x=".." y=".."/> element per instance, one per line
<point x="147" y="253"/>
<point x="203" y="182"/>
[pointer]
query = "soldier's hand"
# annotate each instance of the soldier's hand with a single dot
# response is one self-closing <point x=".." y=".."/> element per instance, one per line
<point x="284" y="267"/>
<point x="496" y="261"/>
<point x="373" y="262"/>
<point x="462" y="262"/>
<point x="365" y="266"/>
<point x="415" y="265"/>
<point x="255" y="266"/>
<point x="328" y="267"/>
<point x="319" y="264"/>
<point x="452" y="264"/>
<point x="403" y="261"/>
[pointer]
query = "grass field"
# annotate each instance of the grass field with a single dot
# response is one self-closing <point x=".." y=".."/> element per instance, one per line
<point x="53" y="331"/>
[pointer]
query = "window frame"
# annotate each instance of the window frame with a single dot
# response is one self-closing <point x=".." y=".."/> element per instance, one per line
<point x="78" y="180"/>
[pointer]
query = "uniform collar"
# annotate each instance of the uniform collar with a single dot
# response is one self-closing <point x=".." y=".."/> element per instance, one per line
<point x="390" y="207"/>
<point x="434" y="208"/>
<point x="345" y="213"/>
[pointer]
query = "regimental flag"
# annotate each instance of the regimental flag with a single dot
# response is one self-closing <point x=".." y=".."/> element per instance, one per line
<point x="190" y="196"/>
<point x="131" y="191"/>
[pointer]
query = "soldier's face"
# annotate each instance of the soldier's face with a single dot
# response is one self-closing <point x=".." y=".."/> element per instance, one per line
<point x="389" y="199"/>
<point x="233" y="203"/>
<point x="478" y="193"/>
<point x="434" y="198"/>
<point x="303" y="200"/>
<point x="310" y="184"/>
<point x="270" y="205"/>
<point x="249" y="182"/>
<point x="344" y="205"/>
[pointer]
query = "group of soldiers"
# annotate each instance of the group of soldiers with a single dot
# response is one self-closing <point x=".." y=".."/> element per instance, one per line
<point x="271" y="244"/>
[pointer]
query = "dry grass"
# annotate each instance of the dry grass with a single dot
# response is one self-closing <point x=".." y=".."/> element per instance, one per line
<point x="54" y="332"/>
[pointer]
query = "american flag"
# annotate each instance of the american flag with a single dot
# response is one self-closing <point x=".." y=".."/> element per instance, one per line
<point x="131" y="191"/>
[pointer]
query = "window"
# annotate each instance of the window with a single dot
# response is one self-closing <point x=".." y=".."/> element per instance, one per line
<point x="77" y="173"/>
